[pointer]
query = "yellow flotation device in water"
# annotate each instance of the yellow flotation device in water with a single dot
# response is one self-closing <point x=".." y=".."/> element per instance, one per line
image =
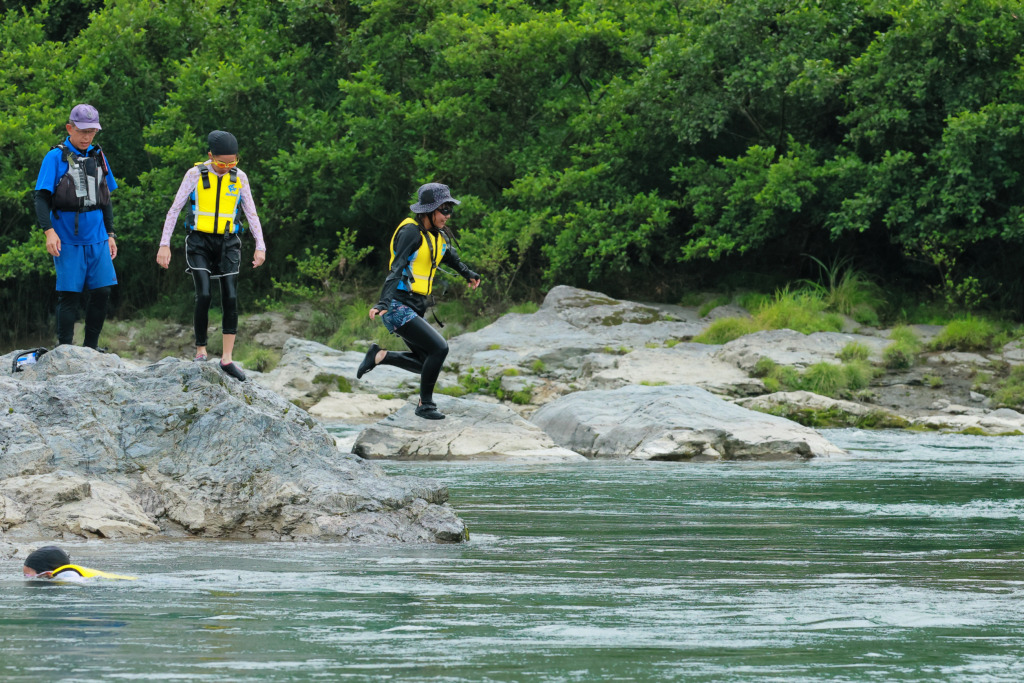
<point x="87" y="573"/>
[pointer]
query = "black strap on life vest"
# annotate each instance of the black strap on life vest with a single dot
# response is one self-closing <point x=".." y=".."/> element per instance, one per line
<point x="204" y="172"/>
<point x="66" y="152"/>
<point x="431" y="301"/>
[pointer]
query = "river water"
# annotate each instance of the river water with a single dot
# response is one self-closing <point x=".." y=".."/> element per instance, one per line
<point x="902" y="561"/>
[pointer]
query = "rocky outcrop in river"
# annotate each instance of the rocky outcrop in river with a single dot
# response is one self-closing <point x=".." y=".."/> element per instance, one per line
<point x="93" y="446"/>
<point x="674" y="423"/>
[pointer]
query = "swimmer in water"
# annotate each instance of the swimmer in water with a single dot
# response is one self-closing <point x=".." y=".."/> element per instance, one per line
<point x="51" y="562"/>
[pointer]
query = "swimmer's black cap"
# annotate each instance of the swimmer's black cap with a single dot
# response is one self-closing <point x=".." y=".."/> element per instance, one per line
<point x="222" y="143"/>
<point x="47" y="559"/>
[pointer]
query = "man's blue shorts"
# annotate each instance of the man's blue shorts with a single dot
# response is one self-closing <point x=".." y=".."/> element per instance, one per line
<point x="84" y="266"/>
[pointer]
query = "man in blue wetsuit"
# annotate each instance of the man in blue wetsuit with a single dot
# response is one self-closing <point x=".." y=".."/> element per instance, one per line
<point x="73" y="209"/>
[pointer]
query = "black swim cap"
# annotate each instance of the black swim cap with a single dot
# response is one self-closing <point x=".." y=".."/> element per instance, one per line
<point x="222" y="142"/>
<point x="47" y="559"/>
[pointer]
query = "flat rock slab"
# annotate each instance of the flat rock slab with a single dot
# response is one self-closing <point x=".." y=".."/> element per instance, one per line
<point x="788" y="347"/>
<point x="674" y="423"/>
<point x="354" y="408"/>
<point x="302" y="361"/>
<point x="684" y="363"/>
<point x="471" y="430"/>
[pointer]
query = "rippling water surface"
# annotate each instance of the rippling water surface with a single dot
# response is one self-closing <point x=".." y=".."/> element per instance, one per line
<point x="902" y="561"/>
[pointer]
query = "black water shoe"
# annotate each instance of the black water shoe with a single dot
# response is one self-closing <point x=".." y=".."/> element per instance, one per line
<point x="233" y="370"/>
<point x="369" y="361"/>
<point x="429" y="411"/>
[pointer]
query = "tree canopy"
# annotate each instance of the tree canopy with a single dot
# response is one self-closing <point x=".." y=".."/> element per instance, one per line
<point x="633" y="147"/>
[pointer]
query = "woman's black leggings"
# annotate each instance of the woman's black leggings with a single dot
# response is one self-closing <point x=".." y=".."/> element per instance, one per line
<point x="427" y="351"/>
<point x="95" y="314"/>
<point x="228" y="304"/>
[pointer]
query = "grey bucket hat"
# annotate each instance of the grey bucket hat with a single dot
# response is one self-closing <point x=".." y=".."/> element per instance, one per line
<point x="431" y="196"/>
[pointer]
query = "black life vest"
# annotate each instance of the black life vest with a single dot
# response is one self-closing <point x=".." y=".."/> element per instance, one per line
<point x="83" y="187"/>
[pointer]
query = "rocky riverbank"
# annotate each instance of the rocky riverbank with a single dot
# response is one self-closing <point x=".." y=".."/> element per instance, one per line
<point x="92" y="445"/>
<point x="580" y="342"/>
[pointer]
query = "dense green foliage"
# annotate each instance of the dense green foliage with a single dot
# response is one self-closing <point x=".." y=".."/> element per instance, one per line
<point x="637" y="148"/>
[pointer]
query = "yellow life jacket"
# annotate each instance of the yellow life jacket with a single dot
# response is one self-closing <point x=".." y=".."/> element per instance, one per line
<point x="89" y="573"/>
<point x="215" y="204"/>
<point x="419" y="274"/>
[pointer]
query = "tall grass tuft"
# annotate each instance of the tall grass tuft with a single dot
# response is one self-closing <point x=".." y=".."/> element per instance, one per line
<point x="854" y="351"/>
<point x="1010" y="391"/>
<point x="902" y="353"/>
<point x="827" y="379"/>
<point x="725" y="330"/>
<point x="846" y="290"/>
<point x="801" y="311"/>
<point x="967" y="334"/>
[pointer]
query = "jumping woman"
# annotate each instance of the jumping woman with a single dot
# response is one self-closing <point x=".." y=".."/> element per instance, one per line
<point x="418" y="247"/>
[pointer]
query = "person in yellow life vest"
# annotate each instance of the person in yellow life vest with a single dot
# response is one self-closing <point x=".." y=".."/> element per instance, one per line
<point x="217" y="189"/>
<point x="418" y="247"/>
<point x="51" y="562"/>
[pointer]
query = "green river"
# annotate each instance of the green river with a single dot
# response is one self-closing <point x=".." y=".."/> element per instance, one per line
<point x="902" y="561"/>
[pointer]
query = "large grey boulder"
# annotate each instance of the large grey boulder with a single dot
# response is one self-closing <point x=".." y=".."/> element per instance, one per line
<point x="685" y="363"/>
<point x="788" y="347"/>
<point x="673" y="423"/>
<point x="570" y="324"/>
<point x="87" y="441"/>
<point x="471" y="430"/>
<point x="303" y="362"/>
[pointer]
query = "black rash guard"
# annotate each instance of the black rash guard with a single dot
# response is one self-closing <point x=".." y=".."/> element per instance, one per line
<point x="407" y="242"/>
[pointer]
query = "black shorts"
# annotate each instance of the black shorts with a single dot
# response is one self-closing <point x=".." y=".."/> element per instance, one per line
<point x="219" y="255"/>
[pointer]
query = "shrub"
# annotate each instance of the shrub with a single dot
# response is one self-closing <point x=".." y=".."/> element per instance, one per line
<point x="260" y="359"/>
<point x="858" y="374"/>
<point x="800" y="311"/>
<point x="1010" y="391"/>
<point x="787" y="377"/>
<point x="902" y="353"/>
<point x="339" y="381"/>
<point x="525" y="308"/>
<point x="764" y="367"/>
<point x="904" y="334"/>
<point x="826" y="379"/>
<point x="846" y="290"/>
<point x="854" y="351"/>
<point x="522" y="397"/>
<point x="966" y="334"/>
<point x="898" y="356"/>
<point x="725" y="330"/>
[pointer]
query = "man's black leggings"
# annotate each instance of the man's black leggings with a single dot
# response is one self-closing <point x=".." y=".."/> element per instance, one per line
<point x="95" y="314"/>
<point x="228" y="304"/>
<point x="427" y="351"/>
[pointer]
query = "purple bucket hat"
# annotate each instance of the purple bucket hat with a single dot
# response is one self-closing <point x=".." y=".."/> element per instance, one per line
<point x="84" y="117"/>
<point x="431" y="196"/>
